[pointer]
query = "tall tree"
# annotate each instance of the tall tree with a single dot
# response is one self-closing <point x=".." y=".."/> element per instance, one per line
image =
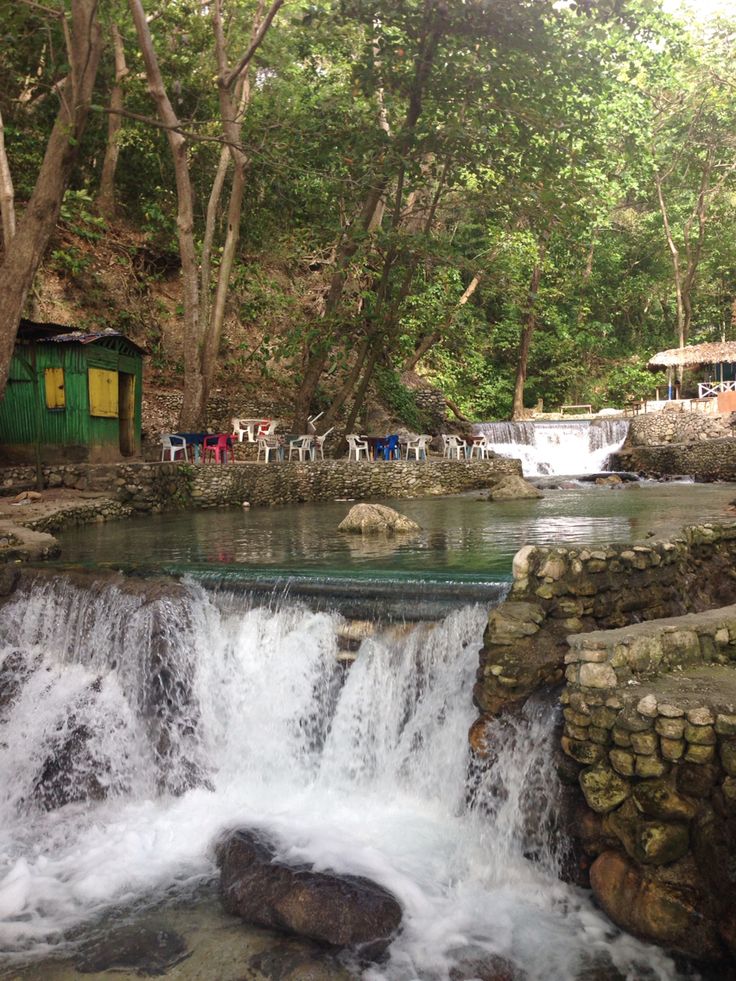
<point x="203" y="318"/>
<point x="23" y="255"/>
<point x="106" y="192"/>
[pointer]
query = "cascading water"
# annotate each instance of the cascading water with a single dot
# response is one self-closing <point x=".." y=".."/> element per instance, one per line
<point x="130" y="698"/>
<point x="569" y="447"/>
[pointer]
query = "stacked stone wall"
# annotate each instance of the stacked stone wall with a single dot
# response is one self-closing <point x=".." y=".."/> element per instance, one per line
<point x="650" y="719"/>
<point x="708" y="460"/>
<point x="657" y="428"/>
<point x="684" y="443"/>
<point x="559" y="591"/>
<point x="155" y="487"/>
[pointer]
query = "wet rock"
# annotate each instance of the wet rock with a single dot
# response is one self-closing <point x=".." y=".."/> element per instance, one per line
<point x="513" y="488"/>
<point x="482" y="966"/>
<point x="9" y="578"/>
<point x="376" y="519"/>
<point x="658" y="799"/>
<point x="661" y="842"/>
<point x="146" y="951"/>
<point x="14" y="671"/>
<point x="664" y="906"/>
<point x="296" y="960"/>
<point x="603" y="788"/>
<point x="70" y="773"/>
<point x="340" y="910"/>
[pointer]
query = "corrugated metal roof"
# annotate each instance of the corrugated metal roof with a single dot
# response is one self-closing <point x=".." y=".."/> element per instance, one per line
<point x="64" y="334"/>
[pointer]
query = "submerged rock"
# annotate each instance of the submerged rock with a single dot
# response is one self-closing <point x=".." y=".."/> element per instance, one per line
<point x="376" y="519"/>
<point x="297" y="960"/>
<point x="143" y="950"/>
<point x="341" y="910"/>
<point x="513" y="488"/>
<point x="481" y="966"/>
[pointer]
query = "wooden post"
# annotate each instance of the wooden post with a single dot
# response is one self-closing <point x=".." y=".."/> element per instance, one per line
<point x="37" y="420"/>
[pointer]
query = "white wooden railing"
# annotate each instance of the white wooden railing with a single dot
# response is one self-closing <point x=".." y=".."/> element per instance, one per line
<point x="708" y="389"/>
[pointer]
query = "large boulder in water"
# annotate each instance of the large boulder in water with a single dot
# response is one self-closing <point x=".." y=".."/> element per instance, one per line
<point x="513" y="488"/>
<point x="667" y="905"/>
<point x="341" y="910"/>
<point x="376" y="519"/>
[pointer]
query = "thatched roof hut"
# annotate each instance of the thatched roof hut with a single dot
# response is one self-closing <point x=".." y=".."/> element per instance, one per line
<point x="721" y="352"/>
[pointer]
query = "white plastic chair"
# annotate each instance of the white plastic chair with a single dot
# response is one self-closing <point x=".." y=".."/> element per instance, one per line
<point x="356" y="447"/>
<point x="241" y="428"/>
<point x="418" y="446"/>
<point x="172" y="445"/>
<point x="445" y="441"/>
<point x="311" y="421"/>
<point x="268" y="445"/>
<point x="457" y="449"/>
<point x="301" y="445"/>
<point x="478" y="448"/>
<point x="319" y="444"/>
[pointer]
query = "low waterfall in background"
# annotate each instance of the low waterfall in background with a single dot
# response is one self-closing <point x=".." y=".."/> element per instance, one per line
<point x="135" y="726"/>
<point x="545" y="448"/>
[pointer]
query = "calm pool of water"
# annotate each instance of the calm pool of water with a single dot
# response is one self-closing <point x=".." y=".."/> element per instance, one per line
<point x="463" y="538"/>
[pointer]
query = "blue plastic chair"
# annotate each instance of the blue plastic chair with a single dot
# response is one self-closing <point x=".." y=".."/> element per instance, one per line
<point x="391" y="449"/>
<point x="379" y="450"/>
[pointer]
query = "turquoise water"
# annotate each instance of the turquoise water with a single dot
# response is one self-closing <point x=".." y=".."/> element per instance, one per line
<point x="463" y="538"/>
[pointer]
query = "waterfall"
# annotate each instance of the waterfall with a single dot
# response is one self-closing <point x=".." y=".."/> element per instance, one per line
<point x="570" y="447"/>
<point x="137" y="723"/>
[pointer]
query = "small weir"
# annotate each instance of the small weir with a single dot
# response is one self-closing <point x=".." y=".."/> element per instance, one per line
<point x="138" y="720"/>
<point x="571" y="447"/>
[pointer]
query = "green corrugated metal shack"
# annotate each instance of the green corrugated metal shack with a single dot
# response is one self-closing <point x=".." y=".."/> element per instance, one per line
<point x="76" y="395"/>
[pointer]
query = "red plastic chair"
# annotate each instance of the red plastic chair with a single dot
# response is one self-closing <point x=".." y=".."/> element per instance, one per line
<point x="218" y="447"/>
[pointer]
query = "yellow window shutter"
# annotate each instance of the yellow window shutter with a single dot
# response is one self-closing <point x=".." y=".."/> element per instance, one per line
<point x="103" y="392"/>
<point x="53" y="379"/>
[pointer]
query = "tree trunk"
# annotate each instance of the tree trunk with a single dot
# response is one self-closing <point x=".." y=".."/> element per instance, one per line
<point x="191" y="410"/>
<point x="202" y="336"/>
<point x="529" y="326"/>
<point x="676" y="270"/>
<point x="368" y="369"/>
<point x="317" y="354"/>
<point x="7" y="194"/>
<point x="106" y="193"/>
<point x="21" y="261"/>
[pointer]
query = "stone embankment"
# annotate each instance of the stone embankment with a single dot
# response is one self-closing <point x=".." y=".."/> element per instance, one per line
<point x="670" y="443"/>
<point x="560" y="591"/>
<point x="650" y="717"/>
<point x="104" y="492"/>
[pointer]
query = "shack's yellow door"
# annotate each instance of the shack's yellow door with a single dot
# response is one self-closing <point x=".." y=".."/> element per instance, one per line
<point x="103" y="393"/>
<point x="53" y="380"/>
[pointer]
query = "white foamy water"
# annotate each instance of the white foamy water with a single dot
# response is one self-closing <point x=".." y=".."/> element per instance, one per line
<point x="548" y="448"/>
<point x="361" y="771"/>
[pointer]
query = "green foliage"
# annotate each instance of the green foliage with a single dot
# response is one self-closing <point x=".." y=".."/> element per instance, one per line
<point x="628" y="382"/>
<point x="70" y="261"/>
<point x="542" y="126"/>
<point x="400" y="399"/>
<point x="77" y="215"/>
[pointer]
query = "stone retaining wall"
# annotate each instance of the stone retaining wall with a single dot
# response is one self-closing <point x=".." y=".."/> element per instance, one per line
<point x="706" y="460"/>
<point x="650" y="717"/>
<point x="167" y="486"/>
<point x="657" y="428"/>
<point x="559" y="591"/>
<point x="670" y="443"/>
